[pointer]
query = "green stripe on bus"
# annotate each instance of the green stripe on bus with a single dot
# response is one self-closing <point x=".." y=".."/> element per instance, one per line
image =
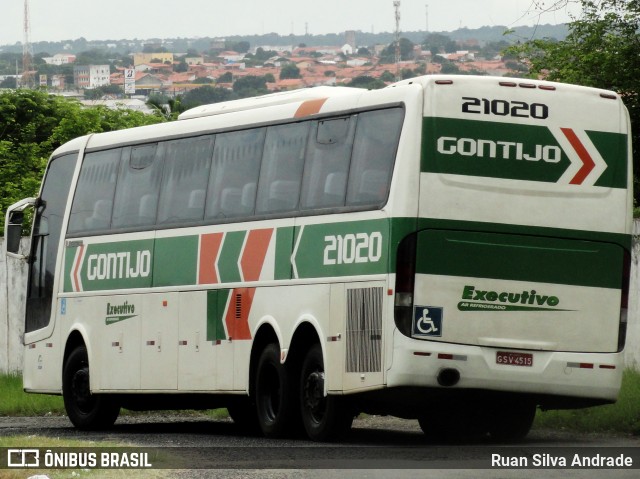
<point x="122" y="265"/>
<point x="284" y="247"/>
<point x="621" y="239"/>
<point x="512" y="151"/>
<point x="216" y="304"/>
<point x="612" y="146"/>
<point x="230" y="256"/>
<point x="519" y="258"/>
<point x="342" y="249"/>
<point x="175" y="261"/>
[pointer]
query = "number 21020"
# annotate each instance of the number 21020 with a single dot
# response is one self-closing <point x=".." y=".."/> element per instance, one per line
<point x="353" y="248"/>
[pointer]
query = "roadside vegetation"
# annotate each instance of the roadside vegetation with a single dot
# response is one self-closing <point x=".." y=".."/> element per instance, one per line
<point x="623" y="417"/>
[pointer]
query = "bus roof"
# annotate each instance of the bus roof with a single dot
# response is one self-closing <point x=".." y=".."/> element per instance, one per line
<point x="272" y="99"/>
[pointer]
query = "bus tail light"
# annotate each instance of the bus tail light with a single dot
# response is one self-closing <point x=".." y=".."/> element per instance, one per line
<point x="624" y="301"/>
<point x="405" y="283"/>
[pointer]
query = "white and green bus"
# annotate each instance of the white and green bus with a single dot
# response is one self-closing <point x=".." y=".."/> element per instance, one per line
<point x="450" y="249"/>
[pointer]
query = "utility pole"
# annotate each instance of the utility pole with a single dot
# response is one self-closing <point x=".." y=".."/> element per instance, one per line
<point x="396" y="6"/>
<point x="27" y="51"/>
<point x="426" y="7"/>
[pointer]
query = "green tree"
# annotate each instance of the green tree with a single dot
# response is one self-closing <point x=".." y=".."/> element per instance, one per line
<point x="367" y="82"/>
<point x="34" y="124"/>
<point x="601" y="50"/>
<point x="226" y="77"/>
<point x="289" y="71"/>
<point x="181" y="67"/>
<point x="388" y="55"/>
<point x="205" y="95"/>
<point x="250" y="86"/>
<point x="438" y="43"/>
<point x="240" y="47"/>
<point x="387" y="76"/>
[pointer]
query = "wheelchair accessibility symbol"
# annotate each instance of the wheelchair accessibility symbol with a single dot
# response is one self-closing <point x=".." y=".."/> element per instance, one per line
<point x="427" y="321"/>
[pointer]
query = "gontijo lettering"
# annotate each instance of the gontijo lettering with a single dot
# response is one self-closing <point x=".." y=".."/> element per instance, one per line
<point x="505" y="150"/>
<point x="118" y="265"/>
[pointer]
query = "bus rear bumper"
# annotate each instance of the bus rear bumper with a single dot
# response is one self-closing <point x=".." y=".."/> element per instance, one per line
<point x="539" y="373"/>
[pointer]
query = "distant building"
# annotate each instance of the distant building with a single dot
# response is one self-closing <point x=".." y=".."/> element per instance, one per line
<point x="91" y="76"/>
<point x="347" y="49"/>
<point x="218" y="44"/>
<point x="57" y="82"/>
<point x="60" y="59"/>
<point x="140" y="58"/>
<point x="350" y="37"/>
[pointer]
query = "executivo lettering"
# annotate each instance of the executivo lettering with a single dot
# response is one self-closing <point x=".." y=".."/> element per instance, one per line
<point x="119" y="312"/>
<point x="477" y="300"/>
<point x="121" y="265"/>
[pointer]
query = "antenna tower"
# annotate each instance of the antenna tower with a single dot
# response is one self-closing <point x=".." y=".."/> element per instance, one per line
<point x="27" y="50"/>
<point x="396" y="6"/>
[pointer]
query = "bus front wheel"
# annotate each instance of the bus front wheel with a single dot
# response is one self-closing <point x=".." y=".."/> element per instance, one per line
<point x="85" y="410"/>
<point x="324" y="417"/>
<point x="275" y="394"/>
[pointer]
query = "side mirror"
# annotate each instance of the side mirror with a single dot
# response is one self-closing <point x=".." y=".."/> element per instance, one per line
<point x="13" y="227"/>
<point x="14" y="232"/>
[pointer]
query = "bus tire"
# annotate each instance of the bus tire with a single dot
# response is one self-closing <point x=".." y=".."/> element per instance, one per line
<point x="512" y="422"/>
<point x="85" y="410"/>
<point x="324" y="417"/>
<point x="243" y="413"/>
<point x="454" y="423"/>
<point x="276" y="405"/>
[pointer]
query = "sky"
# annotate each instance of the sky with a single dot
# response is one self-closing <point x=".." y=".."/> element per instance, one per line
<point x="56" y="20"/>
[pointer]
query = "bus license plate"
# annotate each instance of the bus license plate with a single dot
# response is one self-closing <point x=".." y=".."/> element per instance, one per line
<point x="514" y="359"/>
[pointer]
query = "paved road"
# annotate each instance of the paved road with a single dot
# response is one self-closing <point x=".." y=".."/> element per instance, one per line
<point x="377" y="447"/>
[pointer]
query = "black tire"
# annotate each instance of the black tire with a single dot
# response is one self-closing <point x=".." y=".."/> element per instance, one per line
<point x="324" y="418"/>
<point x="276" y="399"/>
<point x="455" y="423"/>
<point x="243" y="413"/>
<point x="85" y="410"/>
<point x="513" y="421"/>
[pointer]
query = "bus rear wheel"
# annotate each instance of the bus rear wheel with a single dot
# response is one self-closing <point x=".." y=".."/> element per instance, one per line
<point x="512" y="421"/>
<point x="276" y="405"/>
<point x="324" y="417"/>
<point x="85" y="410"/>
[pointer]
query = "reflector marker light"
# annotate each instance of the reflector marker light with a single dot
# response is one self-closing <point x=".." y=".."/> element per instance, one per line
<point x="454" y="357"/>
<point x="580" y="365"/>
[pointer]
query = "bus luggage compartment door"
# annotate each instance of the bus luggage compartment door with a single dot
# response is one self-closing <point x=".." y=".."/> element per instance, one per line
<point x="517" y="291"/>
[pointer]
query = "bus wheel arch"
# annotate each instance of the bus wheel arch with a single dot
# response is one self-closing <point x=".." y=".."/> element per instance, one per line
<point x="85" y="410"/>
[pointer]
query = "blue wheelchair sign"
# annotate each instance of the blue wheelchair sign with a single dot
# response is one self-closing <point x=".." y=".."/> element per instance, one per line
<point x="427" y="321"/>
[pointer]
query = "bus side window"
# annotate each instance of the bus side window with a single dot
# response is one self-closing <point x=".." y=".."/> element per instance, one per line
<point x="234" y="174"/>
<point x="187" y="165"/>
<point x="93" y="200"/>
<point x="374" y="152"/>
<point x="136" y="200"/>
<point x="282" y="165"/>
<point x="327" y="163"/>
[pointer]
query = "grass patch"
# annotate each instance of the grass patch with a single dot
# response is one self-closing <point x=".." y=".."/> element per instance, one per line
<point x="15" y="402"/>
<point x="621" y="417"/>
